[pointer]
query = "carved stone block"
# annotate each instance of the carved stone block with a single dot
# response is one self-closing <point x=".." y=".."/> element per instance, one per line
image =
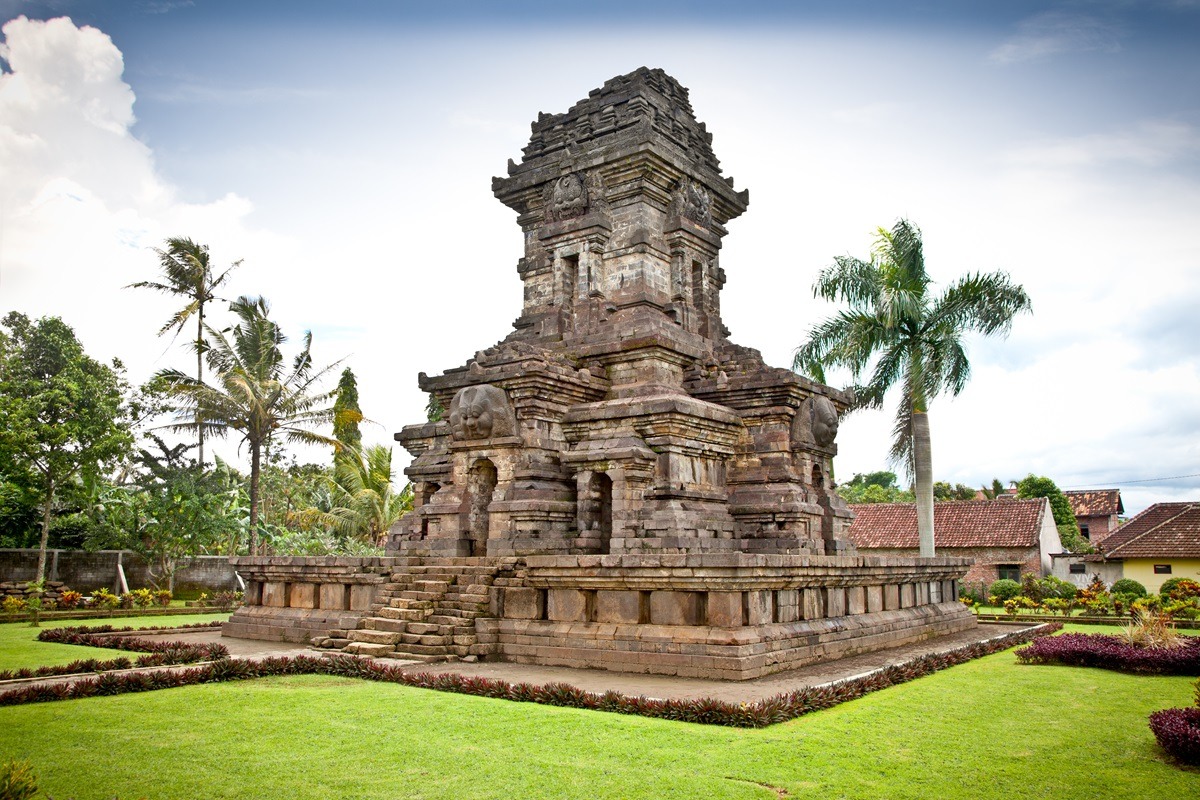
<point x="523" y="603"/>
<point x="302" y="595"/>
<point x="274" y="594"/>
<point x="566" y="605"/>
<point x="618" y="606"/>
<point x="334" y="596"/>
<point x="891" y="597"/>
<point x="725" y="609"/>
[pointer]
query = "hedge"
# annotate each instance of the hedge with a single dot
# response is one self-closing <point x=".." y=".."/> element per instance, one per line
<point x="1110" y="652"/>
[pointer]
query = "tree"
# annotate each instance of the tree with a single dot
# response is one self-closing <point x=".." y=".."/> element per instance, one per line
<point x="172" y="509"/>
<point x="255" y="393"/>
<point x="874" y="487"/>
<point x="365" y="502"/>
<point x="346" y="414"/>
<point x="906" y="335"/>
<point x="1064" y="518"/>
<point x="995" y="490"/>
<point x="187" y="273"/>
<point x="61" y="411"/>
<point x="942" y="490"/>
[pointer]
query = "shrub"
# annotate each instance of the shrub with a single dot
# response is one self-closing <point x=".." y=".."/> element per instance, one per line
<point x="142" y="598"/>
<point x="103" y="598"/>
<point x="1148" y="603"/>
<point x="13" y="605"/>
<point x="162" y="597"/>
<point x="69" y="599"/>
<point x="1058" y="605"/>
<point x="1095" y="590"/>
<point x="17" y="781"/>
<point x="1057" y="588"/>
<point x="1152" y="629"/>
<point x="1111" y="652"/>
<point x="1178" y="732"/>
<point x="125" y="599"/>
<point x="1183" y="609"/>
<point x="1100" y="607"/>
<point x="226" y="599"/>
<point x="1004" y="589"/>
<point x="1128" y="586"/>
<point x="1179" y="589"/>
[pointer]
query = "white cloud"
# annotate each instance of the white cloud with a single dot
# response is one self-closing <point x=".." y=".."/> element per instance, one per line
<point x="1054" y="33"/>
<point x="1150" y="143"/>
<point x="81" y="204"/>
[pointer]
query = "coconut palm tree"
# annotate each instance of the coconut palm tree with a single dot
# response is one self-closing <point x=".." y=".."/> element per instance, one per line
<point x="255" y="393"/>
<point x="187" y="273"/>
<point x="364" y="501"/>
<point x="896" y="327"/>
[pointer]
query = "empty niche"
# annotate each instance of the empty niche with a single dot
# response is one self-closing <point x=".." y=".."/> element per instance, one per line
<point x="596" y="513"/>
<point x="481" y="483"/>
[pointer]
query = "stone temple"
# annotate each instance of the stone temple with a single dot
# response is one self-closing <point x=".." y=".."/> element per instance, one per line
<point x="615" y="484"/>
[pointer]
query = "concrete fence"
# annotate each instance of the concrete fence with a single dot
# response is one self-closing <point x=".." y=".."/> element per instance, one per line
<point x="88" y="571"/>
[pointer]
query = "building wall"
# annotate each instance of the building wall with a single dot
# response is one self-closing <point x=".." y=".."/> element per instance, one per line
<point x="1099" y="527"/>
<point x="88" y="571"/>
<point x="1142" y="570"/>
<point x="1109" y="571"/>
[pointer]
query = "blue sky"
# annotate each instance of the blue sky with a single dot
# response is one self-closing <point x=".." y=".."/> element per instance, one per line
<point x="345" y="151"/>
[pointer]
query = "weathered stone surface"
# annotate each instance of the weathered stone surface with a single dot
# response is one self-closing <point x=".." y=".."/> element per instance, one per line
<point x="675" y="608"/>
<point x="618" y="606"/>
<point x="334" y="596"/>
<point x="274" y="594"/>
<point x="361" y="596"/>
<point x="566" y="605"/>
<point x="302" y="595"/>
<point x="523" y="604"/>
<point x="760" y="607"/>
<point x="891" y="597"/>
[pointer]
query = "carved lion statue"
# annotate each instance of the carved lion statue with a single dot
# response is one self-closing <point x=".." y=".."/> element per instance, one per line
<point x="816" y="421"/>
<point x="481" y="412"/>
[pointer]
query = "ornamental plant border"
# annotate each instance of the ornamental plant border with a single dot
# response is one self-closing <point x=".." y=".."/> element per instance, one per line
<point x="1109" y="652"/>
<point x="704" y="711"/>
<point x="1178" y="732"/>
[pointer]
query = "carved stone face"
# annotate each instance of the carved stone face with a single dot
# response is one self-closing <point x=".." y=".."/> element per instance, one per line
<point x="476" y="421"/>
<point x="569" y="197"/>
<point x="825" y="421"/>
<point x="481" y="412"/>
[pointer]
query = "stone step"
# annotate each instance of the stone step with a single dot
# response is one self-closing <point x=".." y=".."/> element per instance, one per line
<point x="384" y="624"/>
<point x="415" y="595"/>
<point x="404" y="602"/>
<point x="425" y="659"/>
<point x="374" y="637"/>
<point x="423" y="650"/>
<point x="421" y="628"/>
<point x="365" y="649"/>
<point x="443" y="618"/>
<point x="388" y="612"/>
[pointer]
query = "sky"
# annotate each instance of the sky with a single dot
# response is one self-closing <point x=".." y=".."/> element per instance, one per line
<point x="343" y="152"/>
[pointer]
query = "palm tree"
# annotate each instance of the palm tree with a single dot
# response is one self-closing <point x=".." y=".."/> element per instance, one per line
<point x="897" y="327"/>
<point x="364" y="501"/>
<point x="187" y="273"/>
<point x="255" y="393"/>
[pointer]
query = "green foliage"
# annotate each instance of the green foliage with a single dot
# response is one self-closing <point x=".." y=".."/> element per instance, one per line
<point x="346" y="413"/>
<point x="1004" y="589"/>
<point x="255" y="392"/>
<point x="61" y="411"/>
<point x="434" y="411"/>
<point x="1179" y="589"/>
<point x="959" y="491"/>
<point x="17" y="781"/>
<point x="1052" y="587"/>
<point x="1129" y="587"/>
<point x="1064" y="518"/>
<point x="874" y="487"/>
<point x="995" y="490"/>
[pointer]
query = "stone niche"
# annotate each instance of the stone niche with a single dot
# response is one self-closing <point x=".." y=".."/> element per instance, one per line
<point x="615" y="483"/>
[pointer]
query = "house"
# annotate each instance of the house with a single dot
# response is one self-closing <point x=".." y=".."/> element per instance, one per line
<point x="1160" y="543"/>
<point x="1006" y="538"/>
<point x="1097" y="511"/>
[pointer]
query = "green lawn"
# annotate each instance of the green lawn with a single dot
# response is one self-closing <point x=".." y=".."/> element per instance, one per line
<point x="19" y="646"/>
<point x="990" y="728"/>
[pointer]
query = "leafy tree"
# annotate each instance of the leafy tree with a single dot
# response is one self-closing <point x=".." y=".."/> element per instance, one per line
<point x="173" y="509"/>
<point x="995" y="490"/>
<point x="255" y="393"/>
<point x="187" y="273"/>
<point x="61" y="411"/>
<point x="434" y="410"/>
<point x="944" y="491"/>
<point x="1060" y="507"/>
<point x="365" y="502"/>
<point x="906" y="335"/>
<point x="346" y="414"/>
<point x="874" y="487"/>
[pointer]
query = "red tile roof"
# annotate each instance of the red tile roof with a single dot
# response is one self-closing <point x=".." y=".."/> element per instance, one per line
<point x="1164" y="530"/>
<point x="1096" y="502"/>
<point x="961" y="523"/>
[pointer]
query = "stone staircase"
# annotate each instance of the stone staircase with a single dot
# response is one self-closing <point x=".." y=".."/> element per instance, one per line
<point x="424" y="613"/>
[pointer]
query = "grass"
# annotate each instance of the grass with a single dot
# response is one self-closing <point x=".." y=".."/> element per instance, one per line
<point x="19" y="646"/>
<point x="987" y="728"/>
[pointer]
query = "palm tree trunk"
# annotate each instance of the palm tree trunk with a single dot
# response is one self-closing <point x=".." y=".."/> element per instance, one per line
<point x="923" y="467"/>
<point x="200" y="378"/>
<point x="254" y="464"/>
